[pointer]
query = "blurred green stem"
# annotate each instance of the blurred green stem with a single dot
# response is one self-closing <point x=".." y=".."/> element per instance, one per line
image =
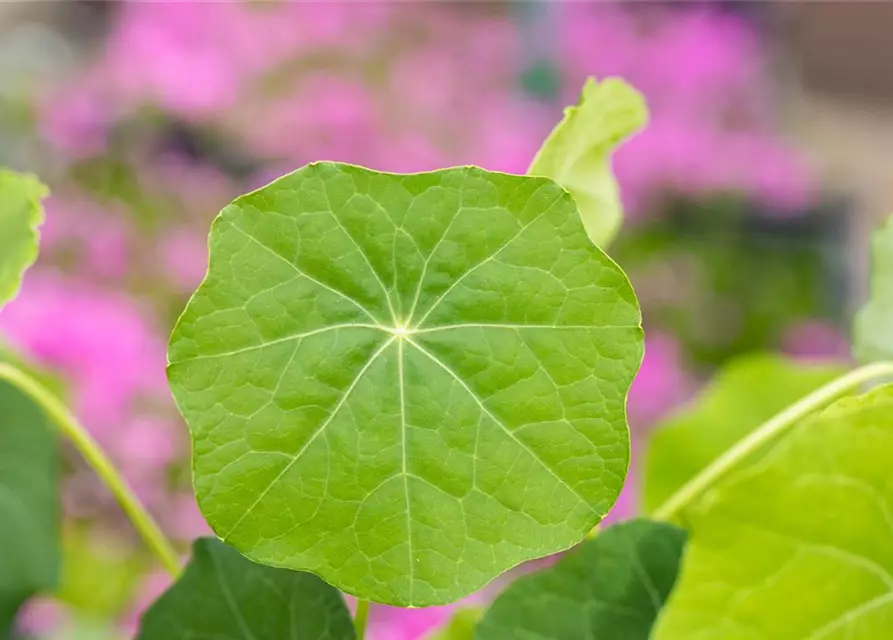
<point x="100" y="463"/>
<point x="359" y="620"/>
<point x="767" y="432"/>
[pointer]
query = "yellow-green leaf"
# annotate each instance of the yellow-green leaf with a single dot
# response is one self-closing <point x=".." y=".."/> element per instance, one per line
<point x="577" y="154"/>
<point x="20" y="215"/>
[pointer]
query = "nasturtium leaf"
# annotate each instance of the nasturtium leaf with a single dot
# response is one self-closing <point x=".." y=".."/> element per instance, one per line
<point x="29" y="509"/>
<point x="609" y="588"/>
<point x="224" y="596"/>
<point x="20" y="215"/>
<point x="406" y="384"/>
<point x="873" y="325"/>
<point x="798" y="544"/>
<point x="577" y="154"/>
<point x="744" y="394"/>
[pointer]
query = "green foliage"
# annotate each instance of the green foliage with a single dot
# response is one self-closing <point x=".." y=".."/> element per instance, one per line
<point x="577" y="154"/>
<point x="610" y="588"/>
<point x="797" y="545"/>
<point x="746" y="393"/>
<point x="406" y="383"/>
<point x="873" y="325"/>
<point x="461" y="626"/>
<point x="99" y="575"/>
<point x="224" y="596"/>
<point x="29" y="510"/>
<point x="20" y="215"/>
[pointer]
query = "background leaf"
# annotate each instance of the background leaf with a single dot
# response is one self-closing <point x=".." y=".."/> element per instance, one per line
<point x="577" y="154"/>
<point x="798" y="544"/>
<point x="461" y="626"/>
<point x="609" y="588"/>
<point x="873" y="325"/>
<point x="406" y="383"/>
<point x="224" y="596"/>
<point x="20" y="215"/>
<point x="748" y="391"/>
<point x="29" y="509"/>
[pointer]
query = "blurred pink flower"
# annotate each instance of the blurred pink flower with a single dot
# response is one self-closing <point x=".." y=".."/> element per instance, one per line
<point x="153" y="585"/>
<point x="41" y="617"/>
<point x="75" y="120"/>
<point x="182" y="519"/>
<point x="101" y="342"/>
<point x="184" y="256"/>
<point x="393" y="623"/>
<point x="662" y="381"/>
<point x="815" y="340"/>
<point x="100" y="235"/>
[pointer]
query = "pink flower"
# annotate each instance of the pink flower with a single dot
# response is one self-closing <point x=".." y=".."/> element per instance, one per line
<point x="184" y="256"/>
<point x="41" y="617"/>
<point x="100" y="341"/>
<point x="662" y="381"/>
<point x="815" y="340"/>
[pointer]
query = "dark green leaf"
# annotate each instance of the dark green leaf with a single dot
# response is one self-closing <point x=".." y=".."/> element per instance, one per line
<point x="29" y="509"/>
<point x="224" y="596"/>
<point x="609" y="588"/>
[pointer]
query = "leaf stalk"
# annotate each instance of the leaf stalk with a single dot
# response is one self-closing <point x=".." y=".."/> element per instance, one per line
<point x="97" y="459"/>
<point x="360" y="618"/>
<point x="767" y="432"/>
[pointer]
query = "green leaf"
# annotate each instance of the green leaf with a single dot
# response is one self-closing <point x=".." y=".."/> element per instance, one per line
<point x="406" y="383"/>
<point x="461" y="626"/>
<point x="747" y="392"/>
<point x="609" y="588"/>
<point x="224" y="596"/>
<point x="20" y="215"/>
<point x="99" y="574"/>
<point x="873" y="325"/>
<point x="577" y="154"/>
<point x="29" y="510"/>
<point x="797" y="545"/>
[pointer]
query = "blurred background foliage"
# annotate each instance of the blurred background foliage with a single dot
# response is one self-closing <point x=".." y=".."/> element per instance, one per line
<point x="146" y="118"/>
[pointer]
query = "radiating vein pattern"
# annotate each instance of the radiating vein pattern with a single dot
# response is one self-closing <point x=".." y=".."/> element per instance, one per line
<point x="406" y="383"/>
<point x="808" y="526"/>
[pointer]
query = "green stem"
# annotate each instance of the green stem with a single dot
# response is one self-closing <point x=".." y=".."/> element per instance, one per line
<point x="767" y="432"/>
<point x="100" y="463"/>
<point x="360" y="618"/>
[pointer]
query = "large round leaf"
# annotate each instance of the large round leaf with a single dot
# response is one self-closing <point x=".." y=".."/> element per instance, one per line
<point x="406" y="383"/>
<point x="798" y="545"/>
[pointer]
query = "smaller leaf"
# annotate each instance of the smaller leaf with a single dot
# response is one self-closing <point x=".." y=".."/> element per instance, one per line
<point x="577" y="154"/>
<point x="609" y="588"/>
<point x="224" y="596"/>
<point x="29" y="511"/>
<point x="20" y="215"/>
<point x="873" y="325"/>
<point x="748" y="391"/>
